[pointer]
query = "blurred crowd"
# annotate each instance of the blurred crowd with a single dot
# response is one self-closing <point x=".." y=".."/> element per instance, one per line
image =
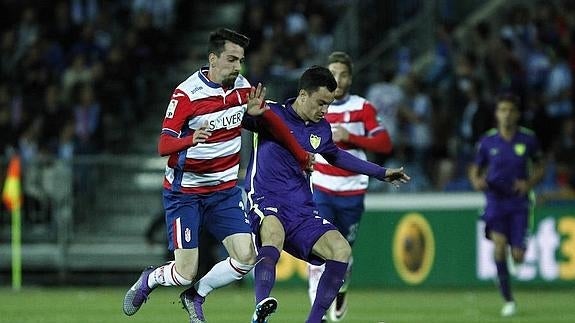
<point x="436" y="115"/>
<point x="77" y="76"/>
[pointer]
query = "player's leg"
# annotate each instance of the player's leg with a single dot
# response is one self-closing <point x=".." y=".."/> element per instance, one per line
<point x="271" y="236"/>
<point x="336" y="251"/>
<point x="233" y="268"/>
<point x="182" y="220"/>
<point x="519" y="229"/>
<point x="327" y="208"/>
<point x="225" y="220"/>
<point x="347" y="220"/>
<point x="517" y="237"/>
<point x="503" y="277"/>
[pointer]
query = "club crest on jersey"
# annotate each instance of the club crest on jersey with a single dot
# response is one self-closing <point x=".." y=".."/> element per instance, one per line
<point x="519" y="149"/>
<point x="314" y="141"/>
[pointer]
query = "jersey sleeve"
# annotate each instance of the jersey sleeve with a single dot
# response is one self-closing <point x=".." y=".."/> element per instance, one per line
<point x="535" y="150"/>
<point x="179" y="110"/>
<point x="370" y="120"/>
<point x="481" y="154"/>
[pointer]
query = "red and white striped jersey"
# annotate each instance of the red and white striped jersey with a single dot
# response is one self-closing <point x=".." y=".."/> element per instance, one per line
<point x="359" y="117"/>
<point x="213" y="165"/>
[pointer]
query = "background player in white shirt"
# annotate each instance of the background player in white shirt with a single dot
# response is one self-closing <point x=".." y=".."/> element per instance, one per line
<point x="339" y="193"/>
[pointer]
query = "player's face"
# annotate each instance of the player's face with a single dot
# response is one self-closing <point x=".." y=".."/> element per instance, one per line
<point x="343" y="77"/>
<point x="316" y="104"/>
<point x="507" y="114"/>
<point x="225" y="68"/>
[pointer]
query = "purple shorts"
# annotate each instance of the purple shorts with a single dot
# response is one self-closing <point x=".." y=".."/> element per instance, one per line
<point x="509" y="220"/>
<point x="302" y="225"/>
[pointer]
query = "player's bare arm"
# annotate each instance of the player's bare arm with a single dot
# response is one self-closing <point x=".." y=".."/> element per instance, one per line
<point x="522" y="187"/>
<point x="477" y="179"/>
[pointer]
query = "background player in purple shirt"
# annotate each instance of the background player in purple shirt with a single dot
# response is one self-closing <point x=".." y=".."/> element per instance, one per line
<point x="281" y="208"/>
<point x="508" y="164"/>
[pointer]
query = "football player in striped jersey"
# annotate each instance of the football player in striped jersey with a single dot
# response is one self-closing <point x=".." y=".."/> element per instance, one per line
<point x="338" y="193"/>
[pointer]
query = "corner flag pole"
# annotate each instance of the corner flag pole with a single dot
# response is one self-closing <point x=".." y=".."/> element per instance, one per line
<point x="12" y="198"/>
<point x="16" y="249"/>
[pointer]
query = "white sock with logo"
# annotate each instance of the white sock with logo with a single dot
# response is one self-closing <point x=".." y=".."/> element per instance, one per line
<point x="167" y="275"/>
<point x="223" y="273"/>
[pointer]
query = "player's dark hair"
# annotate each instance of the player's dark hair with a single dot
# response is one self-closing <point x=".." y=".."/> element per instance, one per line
<point x="341" y="57"/>
<point x="315" y="77"/>
<point x="218" y="39"/>
<point x="508" y="97"/>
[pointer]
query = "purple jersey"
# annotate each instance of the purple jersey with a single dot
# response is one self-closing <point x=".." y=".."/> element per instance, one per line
<point x="506" y="162"/>
<point x="276" y="184"/>
<point x="273" y="171"/>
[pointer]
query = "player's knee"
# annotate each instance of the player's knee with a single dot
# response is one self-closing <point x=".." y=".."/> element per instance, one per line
<point x="341" y="250"/>
<point x="245" y="256"/>
<point x="272" y="232"/>
<point x="518" y="255"/>
<point x="500" y="252"/>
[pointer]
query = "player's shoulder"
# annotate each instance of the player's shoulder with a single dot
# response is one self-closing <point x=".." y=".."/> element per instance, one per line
<point x="323" y="125"/>
<point x="242" y="82"/>
<point x="194" y="87"/>
<point x="526" y="132"/>
<point x="490" y="133"/>
<point x="488" y="136"/>
<point x="274" y="104"/>
<point x="276" y="107"/>
<point x="350" y="103"/>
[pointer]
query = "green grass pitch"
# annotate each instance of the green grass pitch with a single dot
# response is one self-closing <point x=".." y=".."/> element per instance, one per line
<point x="235" y="304"/>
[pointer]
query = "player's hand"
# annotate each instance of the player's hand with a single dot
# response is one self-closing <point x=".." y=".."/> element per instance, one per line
<point x="201" y="135"/>
<point x="256" y="100"/>
<point x="396" y="176"/>
<point x="479" y="184"/>
<point x="310" y="162"/>
<point x="340" y="134"/>
<point x="521" y="187"/>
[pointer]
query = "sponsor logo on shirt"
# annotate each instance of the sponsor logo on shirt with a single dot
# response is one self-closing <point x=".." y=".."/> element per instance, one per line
<point x="227" y="122"/>
<point x="196" y="89"/>
<point x="171" y="109"/>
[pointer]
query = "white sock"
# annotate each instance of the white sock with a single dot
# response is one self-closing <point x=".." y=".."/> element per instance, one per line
<point x="167" y="275"/>
<point x="223" y="273"/>
<point x="314" y="274"/>
<point x="347" y="279"/>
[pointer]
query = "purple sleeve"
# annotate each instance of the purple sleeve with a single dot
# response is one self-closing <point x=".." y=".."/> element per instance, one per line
<point x="347" y="161"/>
<point x="480" y="157"/>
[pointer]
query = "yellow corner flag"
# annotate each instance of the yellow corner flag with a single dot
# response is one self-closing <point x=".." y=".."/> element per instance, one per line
<point x="12" y="197"/>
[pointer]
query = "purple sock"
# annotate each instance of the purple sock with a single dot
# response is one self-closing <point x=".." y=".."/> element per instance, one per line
<point x="503" y="277"/>
<point x="327" y="288"/>
<point x="265" y="271"/>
